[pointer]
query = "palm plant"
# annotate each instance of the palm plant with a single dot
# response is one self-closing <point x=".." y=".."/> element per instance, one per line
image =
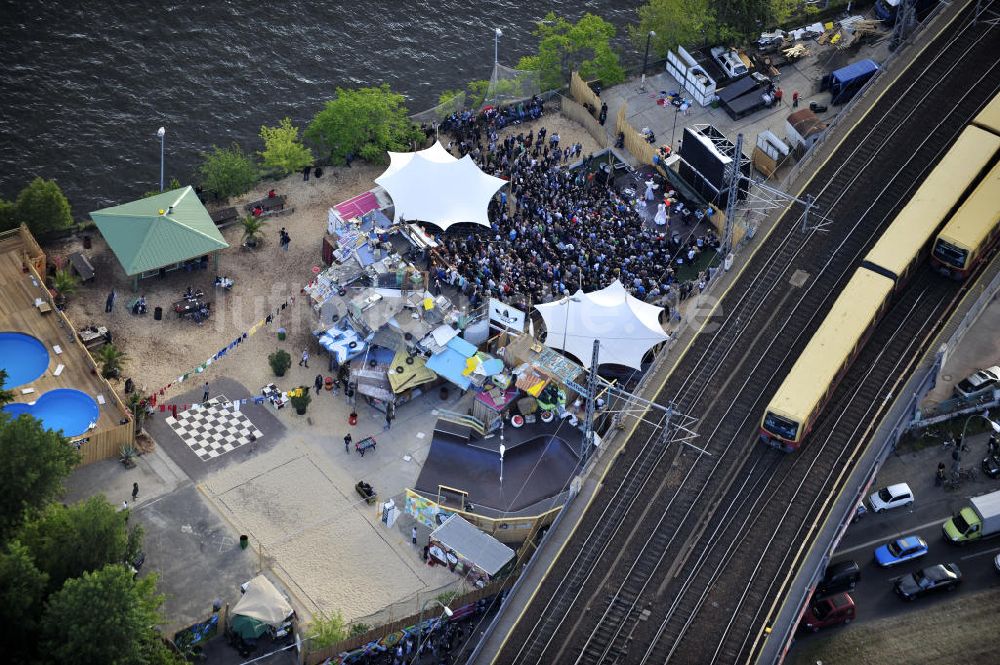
<point x="111" y="359"/>
<point x="252" y="227"/>
<point x="65" y="283"/>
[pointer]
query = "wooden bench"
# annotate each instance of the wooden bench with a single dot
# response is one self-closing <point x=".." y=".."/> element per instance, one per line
<point x="225" y="217"/>
<point x="82" y="266"/>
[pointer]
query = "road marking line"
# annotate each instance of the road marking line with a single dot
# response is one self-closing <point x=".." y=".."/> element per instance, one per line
<point x="879" y="541"/>
<point x="972" y="556"/>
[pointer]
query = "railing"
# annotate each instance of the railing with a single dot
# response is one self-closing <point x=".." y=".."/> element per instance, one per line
<point x="463" y="419"/>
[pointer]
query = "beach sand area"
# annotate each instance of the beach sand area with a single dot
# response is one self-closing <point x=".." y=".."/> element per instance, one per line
<point x="297" y="498"/>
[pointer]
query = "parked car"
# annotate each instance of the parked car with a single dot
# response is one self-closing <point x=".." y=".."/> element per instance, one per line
<point x="842" y="576"/>
<point x="991" y="466"/>
<point x="978" y="382"/>
<point x="893" y="496"/>
<point x="996" y="563"/>
<point x="945" y="576"/>
<point x="830" y="611"/>
<point x="900" y="550"/>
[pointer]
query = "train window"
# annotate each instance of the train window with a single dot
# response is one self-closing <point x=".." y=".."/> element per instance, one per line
<point x="950" y="254"/>
<point x="783" y="427"/>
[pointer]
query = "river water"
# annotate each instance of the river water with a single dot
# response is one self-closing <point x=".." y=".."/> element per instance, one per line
<point x="87" y="83"/>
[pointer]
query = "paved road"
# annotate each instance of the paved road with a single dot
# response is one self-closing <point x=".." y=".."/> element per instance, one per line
<point x="932" y="506"/>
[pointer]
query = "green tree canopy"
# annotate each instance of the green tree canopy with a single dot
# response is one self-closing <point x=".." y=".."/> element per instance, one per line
<point x="282" y="149"/>
<point x="8" y="215"/>
<point x="742" y="21"/>
<point x="43" y="207"/>
<point x="584" y="46"/>
<point x="66" y="542"/>
<point x="364" y="122"/>
<point x="105" y="618"/>
<point x="6" y="396"/>
<point x="22" y="590"/>
<point x="33" y="463"/>
<point x="675" y="22"/>
<point x="227" y="171"/>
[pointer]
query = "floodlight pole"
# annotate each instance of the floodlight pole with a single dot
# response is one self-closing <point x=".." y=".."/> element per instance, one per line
<point x="161" y="132"/>
<point x="588" y="425"/>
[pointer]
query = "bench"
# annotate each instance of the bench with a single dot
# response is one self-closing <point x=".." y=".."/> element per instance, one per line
<point x="225" y="217"/>
<point x="82" y="266"/>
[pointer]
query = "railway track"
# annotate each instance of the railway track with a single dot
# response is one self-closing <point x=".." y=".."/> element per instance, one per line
<point x="643" y="564"/>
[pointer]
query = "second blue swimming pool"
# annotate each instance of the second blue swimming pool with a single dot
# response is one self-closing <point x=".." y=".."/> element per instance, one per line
<point x="63" y="409"/>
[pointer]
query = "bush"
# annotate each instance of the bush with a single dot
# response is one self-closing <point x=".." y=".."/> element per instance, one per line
<point x="364" y="123"/>
<point x="41" y="205"/>
<point x="301" y="401"/>
<point x="327" y="629"/>
<point x="228" y="172"/>
<point x="280" y="362"/>
<point x="282" y="149"/>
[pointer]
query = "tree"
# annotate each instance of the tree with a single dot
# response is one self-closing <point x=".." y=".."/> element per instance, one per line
<point x="22" y="592"/>
<point x="741" y="21"/>
<point x="103" y="618"/>
<point x="43" y="207"/>
<point x="8" y="215"/>
<point x="111" y="359"/>
<point x="282" y="149"/>
<point x="326" y="629"/>
<point x="227" y="171"/>
<point x="584" y="46"/>
<point x="675" y="22"/>
<point x="172" y="185"/>
<point x="252" y="226"/>
<point x="67" y="541"/>
<point x="65" y="283"/>
<point x="6" y="396"/>
<point x="33" y="463"/>
<point x="363" y="122"/>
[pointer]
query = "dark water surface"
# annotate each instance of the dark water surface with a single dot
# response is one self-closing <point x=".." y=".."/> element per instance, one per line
<point x="86" y="84"/>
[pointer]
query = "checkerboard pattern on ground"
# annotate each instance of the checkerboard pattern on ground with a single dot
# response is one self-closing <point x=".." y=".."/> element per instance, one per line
<point x="213" y="430"/>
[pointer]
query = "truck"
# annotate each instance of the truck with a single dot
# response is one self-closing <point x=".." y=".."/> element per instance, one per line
<point x="980" y="519"/>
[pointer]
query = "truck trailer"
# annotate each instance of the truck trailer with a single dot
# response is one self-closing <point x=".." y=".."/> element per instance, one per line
<point x="980" y="519"/>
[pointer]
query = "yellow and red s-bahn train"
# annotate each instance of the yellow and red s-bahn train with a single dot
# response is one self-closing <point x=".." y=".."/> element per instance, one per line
<point x="950" y="192"/>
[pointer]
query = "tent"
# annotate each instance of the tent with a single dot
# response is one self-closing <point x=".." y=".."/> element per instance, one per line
<point x="261" y="606"/>
<point x="626" y="327"/>
<point x="160" y="231"/>
<point x="471" y="546"/>
<point x="432" y="186"/>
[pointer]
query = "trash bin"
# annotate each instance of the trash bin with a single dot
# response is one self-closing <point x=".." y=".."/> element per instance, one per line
<point x="244" y="542"/>
<point x="158" y="313"/>
<point x="86" y="242"/>
<point x="281" y="334"/>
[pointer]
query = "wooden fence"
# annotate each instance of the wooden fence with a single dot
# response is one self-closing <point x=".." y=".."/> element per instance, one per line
<point x="577" y="113"/>
<point x="582" y="93"/>
<point x="314" y="657"/>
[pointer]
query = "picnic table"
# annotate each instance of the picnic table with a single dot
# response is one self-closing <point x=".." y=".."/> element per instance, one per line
<point x="93" y="336"/>
<point x="364" y="444"/>
<point x="274" y="396"/>
<point x="225" y="217"/>
<point x="82" y="266"/>
<point x="267" y="204"/>
<point x="192" y="307"/>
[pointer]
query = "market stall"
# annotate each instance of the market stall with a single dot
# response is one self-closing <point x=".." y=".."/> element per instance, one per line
<point x="468" y="551"/>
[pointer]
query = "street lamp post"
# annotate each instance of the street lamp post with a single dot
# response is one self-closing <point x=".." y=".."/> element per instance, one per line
<point x="993" y="424"/>
<point x="645" y="58"/>
<point x="503" y="449"/>
<point x="446" y="612"/>
<point x="161" y="132"/>
<point x="496" y="46"/>
<point x="566" y="302"/>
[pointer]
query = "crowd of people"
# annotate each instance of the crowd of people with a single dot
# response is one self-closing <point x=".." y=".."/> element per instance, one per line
<point x="556" y="228"/>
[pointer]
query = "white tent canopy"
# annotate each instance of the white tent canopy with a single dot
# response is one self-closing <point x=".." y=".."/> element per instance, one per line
<point x="263" y="602"/>
<point x="435" y="153"/>
<point x="626" y="326"/>
<point x="432" y="186"/>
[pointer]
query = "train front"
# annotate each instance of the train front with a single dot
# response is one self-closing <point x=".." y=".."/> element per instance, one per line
<point x="780" y="431"/>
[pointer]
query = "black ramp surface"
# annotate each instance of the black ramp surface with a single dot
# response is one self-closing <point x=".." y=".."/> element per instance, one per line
<point x="532" y="472"/>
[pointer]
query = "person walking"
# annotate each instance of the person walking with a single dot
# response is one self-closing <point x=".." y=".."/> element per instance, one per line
<point x="388" y="421"/>
<point x="795" y="99"/>
<point x="286" y="241"/>
<point x="110" y="302"/>
<point x="413" y="535"/>
<point x="778" y="94"/>
<point x="135" y="491"/>
<point x="347" y="442"/>
<point x="305" y="358"/>
<point x="204" y="398"/>
<point x="318" y="383"/>
<point x="940" y="475"/>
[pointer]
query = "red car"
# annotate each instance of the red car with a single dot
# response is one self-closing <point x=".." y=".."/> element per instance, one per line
<point x="830" y="611"/>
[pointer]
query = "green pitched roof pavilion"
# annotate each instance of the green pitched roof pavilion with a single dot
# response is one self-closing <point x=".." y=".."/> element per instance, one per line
<point x="159" y="230"/>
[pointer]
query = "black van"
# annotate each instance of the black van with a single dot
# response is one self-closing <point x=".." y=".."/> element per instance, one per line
<point x="839" y="577"/>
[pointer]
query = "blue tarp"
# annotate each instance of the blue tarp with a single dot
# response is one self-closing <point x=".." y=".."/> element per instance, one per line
<point x="466" y="349"/>
<point x="338" y="343"/>
<point x="450" y="364"/>
<point x="854" y="70"/>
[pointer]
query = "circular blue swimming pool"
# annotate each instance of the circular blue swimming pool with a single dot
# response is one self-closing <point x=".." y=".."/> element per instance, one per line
<point x="63" y="409"/>
<point x="23" y="357"/>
